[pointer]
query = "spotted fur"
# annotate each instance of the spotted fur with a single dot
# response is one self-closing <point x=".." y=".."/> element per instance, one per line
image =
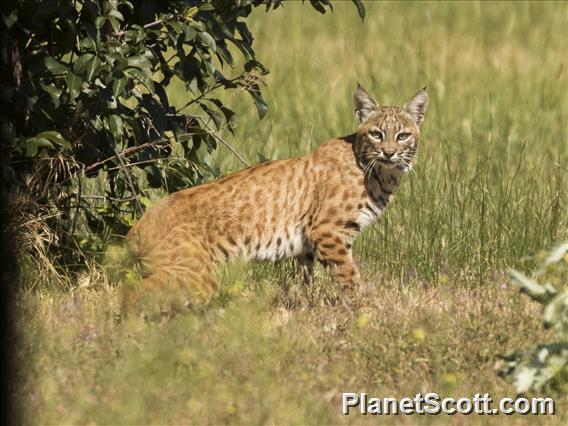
<point x="309" y="207"/>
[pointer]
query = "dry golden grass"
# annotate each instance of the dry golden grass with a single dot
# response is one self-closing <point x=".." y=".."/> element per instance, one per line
<point x="249" y="358"/>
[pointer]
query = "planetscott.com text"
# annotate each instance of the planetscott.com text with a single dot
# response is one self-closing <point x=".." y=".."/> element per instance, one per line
<point x="432" y="403"/>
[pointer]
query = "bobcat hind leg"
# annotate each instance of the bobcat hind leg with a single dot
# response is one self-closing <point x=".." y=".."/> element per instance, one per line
<point x="178" y="275"/>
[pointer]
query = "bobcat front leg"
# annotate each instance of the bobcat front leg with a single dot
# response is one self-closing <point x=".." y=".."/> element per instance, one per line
<point x="306" y="268"/>
<point x="335" y="250"/>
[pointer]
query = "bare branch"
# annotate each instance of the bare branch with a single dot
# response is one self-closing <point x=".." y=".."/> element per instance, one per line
<point x="227" y="144"/>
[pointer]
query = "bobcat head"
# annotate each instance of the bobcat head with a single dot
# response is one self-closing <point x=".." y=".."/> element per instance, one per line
<point x="387" y="136"/>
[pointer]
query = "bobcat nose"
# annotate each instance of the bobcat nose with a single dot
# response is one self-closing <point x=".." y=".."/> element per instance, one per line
<point x="388" y="155"/>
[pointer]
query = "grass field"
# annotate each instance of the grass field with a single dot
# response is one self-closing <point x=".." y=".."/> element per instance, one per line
<point x="488" y="192"/>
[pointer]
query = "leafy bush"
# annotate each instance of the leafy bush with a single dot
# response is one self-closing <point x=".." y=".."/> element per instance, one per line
<point x="545" y="365"/>
<point x="85" y="81"/>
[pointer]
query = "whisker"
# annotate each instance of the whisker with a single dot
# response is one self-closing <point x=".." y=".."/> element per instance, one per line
<point x="362" y="154"/>
<point x="369" y="167"/>
<point x="407" y="164"/>
<point x="373" y="164"/>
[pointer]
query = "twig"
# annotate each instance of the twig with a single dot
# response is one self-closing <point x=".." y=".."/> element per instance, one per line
<point x="95" y="166"/>
<point x="224" y="142"/>
<point x="137" y="163"/>
<point x="159" y="21"/>
<point x="127" y="151"/>
<point x="105" y="197"/>
<point x="129" y="179"/>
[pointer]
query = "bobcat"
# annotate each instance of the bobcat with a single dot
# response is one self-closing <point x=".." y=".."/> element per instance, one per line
<point x="308" y="207"/>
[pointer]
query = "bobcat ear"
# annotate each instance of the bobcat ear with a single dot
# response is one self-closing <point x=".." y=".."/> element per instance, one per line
<point x="364" y="104"/>
<point x="416" y="107"/>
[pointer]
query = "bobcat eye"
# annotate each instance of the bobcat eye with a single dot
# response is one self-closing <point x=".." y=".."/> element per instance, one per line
<point x="377" y="134"/>
<point x="402" y="136"/>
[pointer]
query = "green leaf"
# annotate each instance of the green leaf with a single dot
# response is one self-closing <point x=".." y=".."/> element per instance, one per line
<point x="198" y="25"/>
<point x="99" y="22"/>
<point x="208" y="40"/>
<point x="55" y="137"/>
<point x="209" y="65"/>
<point x="189" y="33"/>
<point x="224" y="53"/>
<point x="8" y="131"/>
<point x="245" y="33"/>
<point x="118" y="86"/>
<point x="153" y="176"/>
<point x="54" y="66"/>
<point x="88" y="44"/>
<point x="116" y="126"/>
<point x="192" y="85"/>
<point x="227" y="113"/>
<point x="92" y="9"/>
<point x="115" y="23"/>
<point x="142" y="77"/>
<point x="130" y="35"/>
<point x="93" y="67"/>
<point x="32" y="145"/>
<point x="140" y="62"/>
<point x="82" y="62"/>
<point x="116" y="14"/>
<point x="317" y="4"/>
<point x="360" y="8"/>
<point x="156" y="111"/>
<point x="74" y="84"/>
<point x="54" y="92"/>
<point x="554" y="313"/>
<point x="10" y="19"/>
<point x="531" y="287"/>
<point x="146" y="202"/>
<point x="261" y="106"/>
<point x="245" y="49"/>
<point x="557" y="254"/>
<point x="216" y="116"/>
<point x="255" y="65"/>
<point x="206" y="7"/>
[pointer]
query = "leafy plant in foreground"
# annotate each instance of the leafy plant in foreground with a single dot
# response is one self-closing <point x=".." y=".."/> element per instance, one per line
<point x="545" y="365"/>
